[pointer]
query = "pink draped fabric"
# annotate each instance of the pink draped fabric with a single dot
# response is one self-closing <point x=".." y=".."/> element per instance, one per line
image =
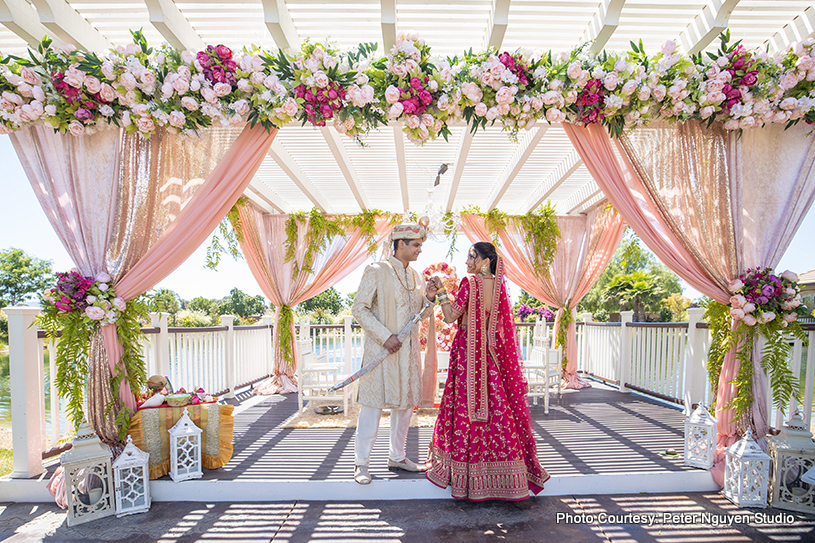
<point x="586" y="245"/>
<point x="264" y="247"/>
<point x="483" y="445"/>
<point x="84" y="187"/>
<point x="767" y="180"/>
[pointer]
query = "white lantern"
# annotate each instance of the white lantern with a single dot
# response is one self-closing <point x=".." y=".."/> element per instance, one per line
<point x="185" y="449"/>
<point x="793" y="455"/>
<point x="746" y="473"/>
<point x="700" y="438"/>
<point x="88" y="477"/>
<point x="132" y="478"/>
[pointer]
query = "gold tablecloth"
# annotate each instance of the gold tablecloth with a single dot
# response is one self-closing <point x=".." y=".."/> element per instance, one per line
<point x="149" y="430"/>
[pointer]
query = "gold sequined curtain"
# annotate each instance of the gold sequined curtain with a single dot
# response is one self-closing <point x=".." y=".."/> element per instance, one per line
<point x="109" y="196"/>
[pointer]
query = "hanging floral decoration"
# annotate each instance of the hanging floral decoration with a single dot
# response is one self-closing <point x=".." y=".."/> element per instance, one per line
<point x="75" y="309"/>
<point x="445" y="332"/>
<point x="763" y="304"/>
<point x="143" y="89"/>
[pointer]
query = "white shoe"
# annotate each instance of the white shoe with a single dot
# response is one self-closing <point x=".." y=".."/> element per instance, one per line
<point x="407" y="464"/>
<point x="361" y="475"/>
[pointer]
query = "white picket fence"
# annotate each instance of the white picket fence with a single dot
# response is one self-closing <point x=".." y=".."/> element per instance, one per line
<point x="665" y="360"/>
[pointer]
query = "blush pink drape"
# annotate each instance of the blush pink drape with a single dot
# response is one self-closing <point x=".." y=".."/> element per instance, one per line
<point x="584" y="249"/>
<point x="117" y="204"/>
<point x="710" y="204"/>
<point x="264" y="246"/>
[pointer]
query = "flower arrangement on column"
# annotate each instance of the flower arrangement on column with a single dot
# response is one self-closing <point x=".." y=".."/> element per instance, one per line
<point x="766" y="304"/>
<point x="75" y="309"/>
<point x="144" y="89"/>
<point x="445" y="333"/>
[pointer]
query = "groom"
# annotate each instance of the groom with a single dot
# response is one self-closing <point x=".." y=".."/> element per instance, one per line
<point x="390" y="293"/>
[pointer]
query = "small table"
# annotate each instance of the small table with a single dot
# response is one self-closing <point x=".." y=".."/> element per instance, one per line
<point x="149" y="430"/>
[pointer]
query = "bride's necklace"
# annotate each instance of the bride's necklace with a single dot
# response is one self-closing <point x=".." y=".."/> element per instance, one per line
<point x="415" y="285"/>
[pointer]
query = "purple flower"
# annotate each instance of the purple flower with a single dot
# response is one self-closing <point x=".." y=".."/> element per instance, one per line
<point x="83" y="114"/>
<point x="767" y="290"/>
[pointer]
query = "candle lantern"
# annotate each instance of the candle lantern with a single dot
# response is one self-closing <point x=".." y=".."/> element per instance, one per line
<point x="88" y="477"/>
<point x="132" y="478"/>
<point x="793" y="455"/>
<point x="746" y="473"/>
<point x="700" y="438"/>
<point x="185" y="449"/>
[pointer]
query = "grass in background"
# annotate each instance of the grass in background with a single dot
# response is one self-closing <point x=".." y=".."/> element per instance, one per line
<point x="6" y="462"/>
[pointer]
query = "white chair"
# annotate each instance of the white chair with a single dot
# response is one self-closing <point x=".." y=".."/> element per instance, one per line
<point x="442" y="367"/>
<point x="543" y="368"/>
<point x="315" y="376"/>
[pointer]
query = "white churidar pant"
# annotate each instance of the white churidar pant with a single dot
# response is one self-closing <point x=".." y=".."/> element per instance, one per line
<point x="367" y="426"/>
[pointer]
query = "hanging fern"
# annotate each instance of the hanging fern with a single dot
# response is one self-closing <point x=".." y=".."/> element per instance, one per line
<point x="227" y="237"/>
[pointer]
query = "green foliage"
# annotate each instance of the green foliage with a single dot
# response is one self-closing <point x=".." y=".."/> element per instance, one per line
<point x="349" y="298"/>
<point x="284" y="334"/>
<point x="718" y="317"/>
<point x="3" y="328"/>
<point x="321" y="229"/>
<point x="634" y="289"/>
<point x="566" y="318"/>
<point x="328" y="301"/>
<point x="676" y="306"/>
<point x="241" y="304"/>
<point x="164" y="300"/>
<point x="228" y="236"/>
<point x="21" y="276"/>
<point x="193" y="319"/>
<point x="199" y="304"/>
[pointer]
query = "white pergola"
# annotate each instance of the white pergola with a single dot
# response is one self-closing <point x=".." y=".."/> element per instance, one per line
<point x="309" y="167"/>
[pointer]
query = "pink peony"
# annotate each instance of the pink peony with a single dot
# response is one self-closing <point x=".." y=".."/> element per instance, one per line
<point x="95" y="313"/>
<point x="766" y="317"/>
<point x="737" y="301"/>
<point x="177" y="119"/>
<point x="749" y="320"/>
<point x="209" y="95"/>
<point x="735" y="285"/>
<point x="290" y="107"/>
<point x="144" y="124"/>
<point x="737" y="313"/>
<point x="392" y="94"/>
<point x="396" y="110"/>
<point x="76" y="128"/>
<point x="321" y="79"/>
<point x="481" y="109"/>
<point x="668" y="47"/>
<point x="189" y="103"/>
<point x="221" y="89"/>
<point x="749" y="307"/>
<point x="790" y="276"/>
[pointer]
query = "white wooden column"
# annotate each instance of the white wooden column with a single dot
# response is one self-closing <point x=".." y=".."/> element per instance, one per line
<point x="695" y="358"/>
<point x="348" y="365"/>
<point x="266" y="320"/>
<point x="229" y="353"/>
<point x="27" y="392"/>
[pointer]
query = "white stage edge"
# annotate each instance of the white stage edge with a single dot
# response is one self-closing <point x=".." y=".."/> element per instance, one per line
<point x="30" y="490"/>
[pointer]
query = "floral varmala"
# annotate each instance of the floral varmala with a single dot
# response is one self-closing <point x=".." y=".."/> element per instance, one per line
<point x="483" y="445"/>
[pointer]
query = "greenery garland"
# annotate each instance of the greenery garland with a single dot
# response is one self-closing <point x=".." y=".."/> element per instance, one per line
<point x="73" y="311"/>
<point x="562" y="332"/>
<point x="763" y="304"/>
<point x="284" y="336"/>
<point x="228" y="237"/>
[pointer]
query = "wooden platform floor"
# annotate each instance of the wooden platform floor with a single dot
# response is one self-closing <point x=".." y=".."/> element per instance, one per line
<point x="596" y="431"/>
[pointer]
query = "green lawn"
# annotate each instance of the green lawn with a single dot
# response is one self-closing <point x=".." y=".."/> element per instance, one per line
<point x="6" y="462"/>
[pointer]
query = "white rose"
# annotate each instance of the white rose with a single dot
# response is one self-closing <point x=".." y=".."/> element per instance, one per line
<point x="241" y="107"/>
<point x="481" y="109"/>
<point x="177" y="119"/>
<point x="396" y="110"/>
<point x="76" y="128"/>
<point x="392" y="94"/>
<point x="668" y="47"/>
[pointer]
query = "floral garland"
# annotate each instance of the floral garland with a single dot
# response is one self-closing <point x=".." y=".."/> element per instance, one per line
<point x="445" y="332"/>
<point x="765" y="304"/>
<point x="75" y="309"/>
<point x="143" y="89"/>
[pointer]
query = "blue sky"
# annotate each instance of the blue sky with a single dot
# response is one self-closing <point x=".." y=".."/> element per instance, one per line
<point x="23" y="225"/>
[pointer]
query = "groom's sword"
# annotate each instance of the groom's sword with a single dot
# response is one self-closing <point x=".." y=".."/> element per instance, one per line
<point x="384" y="353"/>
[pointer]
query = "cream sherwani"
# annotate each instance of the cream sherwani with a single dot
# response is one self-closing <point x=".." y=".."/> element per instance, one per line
<point x="388" y="297"/>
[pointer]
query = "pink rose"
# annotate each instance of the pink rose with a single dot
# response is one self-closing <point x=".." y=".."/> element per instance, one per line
<point x="790" y="317"/>
<point x="481" y="109"/>
<point x="737" y="301"/>
<point x="749" y="307"/>
<point x="290" y="107"/>
<point x="735" y="285"/>
<point x="119" y="304"/>
<point x="95" y="313"/>
<point x="749" y="320"/>
<point x="659" y="93"/>
<point x="92" y="84"/>
<point x="128" y="81"/>
<point x="107" y="93"/>
<point x="241" y="107"/>
<point x="148" y="78"/>
<point x="189" y="103"/>
<point x="399" y="70"/>
<point x="76" y="128"/>
<point x="707" y="111"/>
<point x="554" y="115"/>
<point x="790" y="276"/>
<point x="181" y="85"/>
<point x="788" y="103"/>
<point x="611" y="80"/>
<point x="574" y="70"/>
<point x="644" y="93"/>
<point x="550" y="97"/>
<point x="788" y="81"/>
<point x="668" y="47"/>
<point x="396" y="110"/>
<point x="38" y="94"/>
<point x="747" y="122"/>
<point x="505" y="95"/>
<point x="177" y="119"/>
<point x="321" y="79"/>
<point x="629" y="87"/>
<point x="30" y="76"/>
<point x="145" y="124"/>
<point x="222" y="89"/>
<point x="223" y="52"/>
<point x="209" y="95"/>
<point x="737" y="313"/>
<point x="257" y="78"/>
<point x="731" y="124"/>
<point x="412" y="121"/>
<point x="766" y="317"/>
<point x="428" y="120"/>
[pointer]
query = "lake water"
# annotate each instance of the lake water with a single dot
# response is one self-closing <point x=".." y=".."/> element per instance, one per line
<point x="5" y="395"/>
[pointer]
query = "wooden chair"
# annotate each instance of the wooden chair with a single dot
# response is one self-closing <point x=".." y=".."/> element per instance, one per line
<point x="543" y="368"/>
<point x="315" y="376"/>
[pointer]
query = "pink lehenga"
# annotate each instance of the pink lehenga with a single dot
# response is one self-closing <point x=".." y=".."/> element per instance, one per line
<point x="483" y="445"/>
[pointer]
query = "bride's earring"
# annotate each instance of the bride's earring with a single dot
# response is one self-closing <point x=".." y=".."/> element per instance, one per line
<point x="485" y="270"/>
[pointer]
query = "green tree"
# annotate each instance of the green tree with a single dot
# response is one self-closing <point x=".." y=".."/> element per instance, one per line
<point x="329" y="301"/>
<point x="201" y="304"/>
<point x="349" y="299"/>
<point x="634" y="290"/>
<point x="22" y="276"/>
<point x="165" y="300"/>
<point x="241" y="304"/>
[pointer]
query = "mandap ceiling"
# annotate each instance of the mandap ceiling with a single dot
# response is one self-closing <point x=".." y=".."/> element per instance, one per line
<point x="310" y="167"/>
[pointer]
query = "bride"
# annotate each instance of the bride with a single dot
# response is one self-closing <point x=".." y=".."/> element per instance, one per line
<point x="483" y="445"/>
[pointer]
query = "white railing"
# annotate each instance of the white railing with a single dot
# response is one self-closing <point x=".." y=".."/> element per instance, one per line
<point x="600" y="350"/>
<point x="330" y="340"/>
<point x="658" y="358"/>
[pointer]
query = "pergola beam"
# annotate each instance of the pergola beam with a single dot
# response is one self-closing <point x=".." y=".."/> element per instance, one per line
<point x="799" y="29"/>
<point x="707" y="25"/>
<point x="500" y="20"/>
<point x="173" y="26"/>
<point x="561" y="173"/>
<point x="283" y="159"/>
<point x="21" y="18"/>
<point x="332" y="138"/>
<point x="388" y="20"/>
<point x="401" y="164"/>
<point x="67" y="24"/>
<point x="461" y="158"/>
<point x="269" y="202"/>
<point x="278" y="20"/>
<point x="603" y="24"/>
<point x="515" y="165"/>
<point x="583" y="197"/>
